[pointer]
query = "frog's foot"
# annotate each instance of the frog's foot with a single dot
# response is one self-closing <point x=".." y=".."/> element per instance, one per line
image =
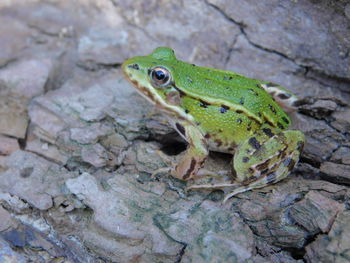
<point x="211" y="186"/>
<point x="286" y="99"/>
<point x="160" y="171"/>
<point x="266" y="159"/>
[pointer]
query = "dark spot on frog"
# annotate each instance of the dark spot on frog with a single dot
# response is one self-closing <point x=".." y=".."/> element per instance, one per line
<point x="271" y="177"/>
<point x="269" y="122"/>
<point x="224" y="108"/>
<point x="263" y="165"/>
<point x="260" y="87"/>
<point x="230" y="149"/>
<point x="272" y="108"/>
<point x="254" y="143"/>
<point x="265" y="171"/>
<point x="190" y="169"/>
<point x="26" y="172"/>
<point x="218" y="142"/>
<point x="300" y="146"/>
<point x="227" y="77"/>
<point x="193" y="65"/>
<point x="284" y="96"/>
<point x="203" y="104"/>
<point x="249" y="126"/>
<point x="280" y="125"/>
<point x="241" y="101"/>
<point x="189" y="79"/>
<point x="207" y="136"/>
<point x="239" y="121"/>
<point x="187" y="111"/>
<point x="268" y="132"/>
<point x="134" y="66"/>
<point x="197" y="123"/>
<point x="259" y="114"/>
<point x="239" y="111"/>
<point x="253" y="91"/>
<point x="289" y="163"/>
<point x="271" y="85"/>
<point x="245" y="159"/>
<point x="285" y="120"/>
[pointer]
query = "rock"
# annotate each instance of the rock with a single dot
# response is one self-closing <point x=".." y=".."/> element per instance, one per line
<point x="320" y="109"/>
<point x="315" y="212"/>
<point x="46" y="124"/>
<point x="14" y="41"/>
<point x="47" y="150"/>
<point x="5" y="220"/>
<point x="33" y="179"/>
<point x="95" y="155"/>
<point x="297" y="37"/>
<point x="27" y="77"/>
<point x="335" y="246"/>
<point x="342" y="155"/>
<point x="8" y="255"/>
<point x="168" y="231"/>
<point x="338" y="173"/>
<point x="13" y="113"/>
<point x="90" y="134"/>
<point x="8" y="145"/>
<point x="342" y="120"/>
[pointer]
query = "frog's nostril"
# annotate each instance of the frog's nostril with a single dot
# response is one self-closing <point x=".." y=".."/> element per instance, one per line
<point x="134" y="66"/>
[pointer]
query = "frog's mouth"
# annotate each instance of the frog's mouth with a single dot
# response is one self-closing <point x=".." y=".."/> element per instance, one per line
<point x="145" y="90"/>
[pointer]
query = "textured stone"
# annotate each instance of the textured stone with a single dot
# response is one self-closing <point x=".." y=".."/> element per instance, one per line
<point x="341" y="155"/>
<point x="315" y="212"/>
<point x="338" y="173"/>
<point x="32" y="178"/>
<point x="8" y="145"/>
<point x="7" y="255"/>
<point x="300" y="26"/>
<point x="335" y="246"/>
<point x="342" y="120"/>
<point x="5" y="219"/>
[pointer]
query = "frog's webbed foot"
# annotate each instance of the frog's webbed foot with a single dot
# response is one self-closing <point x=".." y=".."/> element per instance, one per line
<point x="266" y="159"/>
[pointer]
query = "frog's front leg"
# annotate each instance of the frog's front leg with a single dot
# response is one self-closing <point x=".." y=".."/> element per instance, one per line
<point x="196" y="153"/>
<point x="266" y="158"/>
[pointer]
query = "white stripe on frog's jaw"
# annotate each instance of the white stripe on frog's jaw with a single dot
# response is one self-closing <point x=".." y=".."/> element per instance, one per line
<point x="146" y="90"/>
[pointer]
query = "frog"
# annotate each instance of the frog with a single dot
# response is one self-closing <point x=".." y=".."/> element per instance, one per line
<point x="223" y="111"/>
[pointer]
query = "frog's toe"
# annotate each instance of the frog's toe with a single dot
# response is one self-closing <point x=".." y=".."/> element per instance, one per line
<point x="161" y="170"/>
<point x="210" y="186"/>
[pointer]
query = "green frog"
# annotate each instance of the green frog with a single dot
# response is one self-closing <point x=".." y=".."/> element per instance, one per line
<point x="221" y="111"/>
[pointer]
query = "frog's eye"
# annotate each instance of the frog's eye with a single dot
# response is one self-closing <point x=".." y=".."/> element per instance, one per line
<point x="160" y="76"/>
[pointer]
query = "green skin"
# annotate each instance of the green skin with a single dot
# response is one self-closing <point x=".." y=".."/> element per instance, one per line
<point x="222" y="111"/>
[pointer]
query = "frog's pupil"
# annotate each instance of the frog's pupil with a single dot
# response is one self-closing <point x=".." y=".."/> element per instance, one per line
<point x="159" y="75"/>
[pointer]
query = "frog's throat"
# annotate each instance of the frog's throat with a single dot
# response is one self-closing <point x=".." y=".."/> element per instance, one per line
<point x="160" y="103"/>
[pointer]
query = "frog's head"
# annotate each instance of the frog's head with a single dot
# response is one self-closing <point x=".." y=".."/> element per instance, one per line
<point x="153" y="77"/>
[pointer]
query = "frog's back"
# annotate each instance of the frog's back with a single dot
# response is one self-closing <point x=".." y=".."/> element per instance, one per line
<point x="230" y="89"/>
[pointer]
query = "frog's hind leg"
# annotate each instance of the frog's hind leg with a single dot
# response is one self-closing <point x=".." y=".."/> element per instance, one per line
<point x="266" y="159"/>
<point x="286" y="99"/>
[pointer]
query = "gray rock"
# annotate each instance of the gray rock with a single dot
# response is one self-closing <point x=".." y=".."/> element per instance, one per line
<point x="8" y="255"/>
<point x="32" y="178"/>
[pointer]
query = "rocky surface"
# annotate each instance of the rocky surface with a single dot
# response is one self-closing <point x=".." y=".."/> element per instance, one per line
<point x="78" y="145"/>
